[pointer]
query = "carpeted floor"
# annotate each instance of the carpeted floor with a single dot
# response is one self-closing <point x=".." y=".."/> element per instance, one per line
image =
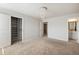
<point x="43" y="46"/>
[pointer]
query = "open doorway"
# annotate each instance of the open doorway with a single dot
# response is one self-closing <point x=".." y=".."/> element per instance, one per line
<point x="16" y="29"/>
<point x="45" y="31"/>
<point x="72" y="30"/>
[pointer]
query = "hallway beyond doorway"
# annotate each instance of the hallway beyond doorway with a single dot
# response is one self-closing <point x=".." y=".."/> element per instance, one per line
<point x="45" y="29"/>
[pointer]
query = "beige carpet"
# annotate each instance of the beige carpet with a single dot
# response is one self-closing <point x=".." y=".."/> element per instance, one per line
<point x="43" y="46"/>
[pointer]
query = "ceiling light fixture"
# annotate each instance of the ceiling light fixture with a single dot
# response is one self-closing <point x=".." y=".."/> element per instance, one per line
<point x="43" y="13"/>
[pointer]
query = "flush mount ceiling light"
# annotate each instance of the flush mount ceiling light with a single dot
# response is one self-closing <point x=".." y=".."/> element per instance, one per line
<point x="43" y="12"/>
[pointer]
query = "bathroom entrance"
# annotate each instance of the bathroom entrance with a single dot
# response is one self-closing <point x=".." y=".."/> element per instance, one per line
<point x="72" y="30"/>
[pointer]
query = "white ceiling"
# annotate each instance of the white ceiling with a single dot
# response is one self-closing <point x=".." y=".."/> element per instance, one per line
<point x="33" y="9"/>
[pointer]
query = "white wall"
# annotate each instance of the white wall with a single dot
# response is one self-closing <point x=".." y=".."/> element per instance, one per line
<point x="58" y="26"/>
<point x="78" y="30"/>
<point x="41" y="28"/>
<point x="5" y="32"/>
<point x="30" y="27"/>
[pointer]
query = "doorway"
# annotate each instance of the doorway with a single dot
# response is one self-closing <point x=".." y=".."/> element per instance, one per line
<point x="16" y="30"/>
<point x="45" y="31"/>
<point x="72" y="30"/>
